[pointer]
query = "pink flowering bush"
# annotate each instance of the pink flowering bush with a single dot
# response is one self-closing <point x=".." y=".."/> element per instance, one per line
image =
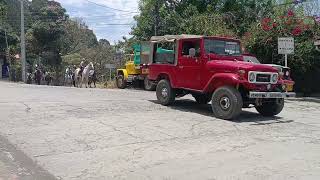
<point x="262" y="41"/>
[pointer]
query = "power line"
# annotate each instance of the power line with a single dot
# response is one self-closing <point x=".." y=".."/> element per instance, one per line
<point x="102" y="5"/>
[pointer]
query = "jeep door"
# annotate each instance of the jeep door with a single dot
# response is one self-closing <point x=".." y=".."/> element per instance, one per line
<point x="189" y="63"/>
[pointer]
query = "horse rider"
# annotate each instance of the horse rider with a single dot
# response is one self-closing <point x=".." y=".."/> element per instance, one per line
<point x="81" y="68"/>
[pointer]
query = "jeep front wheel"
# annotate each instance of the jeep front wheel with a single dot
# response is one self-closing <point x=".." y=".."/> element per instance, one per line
<point x="121" y="82"/>
<point x="226" y="103"/>
<point x="148" y="85"/>
<point x="271" y="107"/>
<point x="165" y="93"/>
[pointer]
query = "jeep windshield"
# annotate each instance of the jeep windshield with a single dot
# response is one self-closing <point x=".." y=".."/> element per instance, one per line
<point x="222" y="47"/>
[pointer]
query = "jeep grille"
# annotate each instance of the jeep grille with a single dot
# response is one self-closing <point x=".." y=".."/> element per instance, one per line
<point x="263" y="78"/>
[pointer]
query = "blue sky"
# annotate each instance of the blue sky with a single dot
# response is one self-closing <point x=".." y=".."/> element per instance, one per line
<point x="106" y="23"/>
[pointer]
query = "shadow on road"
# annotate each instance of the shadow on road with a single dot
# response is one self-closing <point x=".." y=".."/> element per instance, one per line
<point x="186" y="105"/>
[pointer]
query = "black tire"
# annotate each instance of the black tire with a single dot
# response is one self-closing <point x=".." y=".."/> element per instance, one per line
<point x="148" y="85"/>
<point x="121" y="82"/>
<point x="271" y="107"/>
<point x="202" y="98"/>
<point x="226" y="103"/>
<point x="165" y="93"/>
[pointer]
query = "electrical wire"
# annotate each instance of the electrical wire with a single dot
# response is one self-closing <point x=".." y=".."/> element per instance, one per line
<point x="105" y="6"/>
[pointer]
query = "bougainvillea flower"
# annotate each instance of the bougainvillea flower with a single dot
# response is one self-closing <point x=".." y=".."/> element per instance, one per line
<point x="274" y="25"/>
<point x="266" y="24"/>
<point x="296" y="31"/>
<point x="290" y="13"/>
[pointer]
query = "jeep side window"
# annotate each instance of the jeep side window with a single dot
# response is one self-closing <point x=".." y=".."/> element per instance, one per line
<point x="222" y="47"/>
<point x="164" y="53"/>
<point x="187" y="45"/>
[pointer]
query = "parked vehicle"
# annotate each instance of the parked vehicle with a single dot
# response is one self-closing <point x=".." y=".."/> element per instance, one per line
<point x="136" y="70"/>
<point x="212" y="69"/>
<point x="284" y="72"/>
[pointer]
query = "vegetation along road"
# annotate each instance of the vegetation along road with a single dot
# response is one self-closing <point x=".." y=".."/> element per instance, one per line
<point x="70" y="133"/>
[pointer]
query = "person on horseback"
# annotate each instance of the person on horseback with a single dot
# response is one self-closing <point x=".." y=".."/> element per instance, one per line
<point x="81" y="68"/>
<point x="37" y="74"/>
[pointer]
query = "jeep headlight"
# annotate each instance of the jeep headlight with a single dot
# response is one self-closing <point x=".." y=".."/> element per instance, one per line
<point x="252" y="77"/>
<point x="274" y="78"/>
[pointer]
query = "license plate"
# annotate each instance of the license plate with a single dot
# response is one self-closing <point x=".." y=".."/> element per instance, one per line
<point x="130" y="79"/>
<point x="266" y="95"/>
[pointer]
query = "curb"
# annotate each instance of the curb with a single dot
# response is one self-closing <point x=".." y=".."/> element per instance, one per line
<point x="305" y="99"/>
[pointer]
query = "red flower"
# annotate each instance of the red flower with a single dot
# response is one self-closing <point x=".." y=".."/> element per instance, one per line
<point x="266" y="20"/>
<point x="290" y="13"/>
<point x="274" y="25"/>
<point x="266" y="24"/>
<point x="296" y="31"/>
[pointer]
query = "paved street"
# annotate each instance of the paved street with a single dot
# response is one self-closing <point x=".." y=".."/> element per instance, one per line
<point x="102" y="134"/>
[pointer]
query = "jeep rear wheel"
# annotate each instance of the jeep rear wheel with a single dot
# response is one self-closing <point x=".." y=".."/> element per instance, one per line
<point x="202" y="98"/>
<point x="271" y="107"/>
<point x="148" y="85"/>
<point x="121" y="82"/>
<point x="226" y="103"/>
<point x="165" y="93"/>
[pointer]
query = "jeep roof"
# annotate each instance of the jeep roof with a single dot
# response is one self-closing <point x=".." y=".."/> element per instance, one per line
<point x="171" y="38"/>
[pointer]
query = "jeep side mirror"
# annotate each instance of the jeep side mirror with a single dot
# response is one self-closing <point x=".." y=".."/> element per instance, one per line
<point x="192" y="52"/>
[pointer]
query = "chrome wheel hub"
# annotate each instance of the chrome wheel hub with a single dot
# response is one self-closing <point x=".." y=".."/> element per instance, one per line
<point x="225" y="103"/>
<point x="164" y="92"/>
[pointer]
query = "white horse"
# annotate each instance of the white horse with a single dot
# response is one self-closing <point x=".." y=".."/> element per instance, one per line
<point x="77" y="77"/>
<point x="85" y="75"/>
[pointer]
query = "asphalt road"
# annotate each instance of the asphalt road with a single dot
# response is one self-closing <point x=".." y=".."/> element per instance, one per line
<point x="69" y="133"/>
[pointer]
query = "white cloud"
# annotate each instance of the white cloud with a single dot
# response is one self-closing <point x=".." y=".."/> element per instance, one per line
<point x="99" y="18"/>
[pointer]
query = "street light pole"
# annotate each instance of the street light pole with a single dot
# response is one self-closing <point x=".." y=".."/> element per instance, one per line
<point x="23" y="44"/>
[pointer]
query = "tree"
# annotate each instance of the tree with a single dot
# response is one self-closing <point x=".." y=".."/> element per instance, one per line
<point x="262" y="39"/>
<point x="77" y="37"/>
<point x="45" y="37"/>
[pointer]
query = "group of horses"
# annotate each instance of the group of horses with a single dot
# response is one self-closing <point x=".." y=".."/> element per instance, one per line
<point x="74" y="78"/>
<point x="38" y="76"/>
<point x="77" y="78"/>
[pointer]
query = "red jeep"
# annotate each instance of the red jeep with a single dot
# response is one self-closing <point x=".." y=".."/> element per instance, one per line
<point x="212" y="69"/>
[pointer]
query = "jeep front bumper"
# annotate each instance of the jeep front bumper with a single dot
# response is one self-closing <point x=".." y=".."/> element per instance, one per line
<point x="272" y="95"/>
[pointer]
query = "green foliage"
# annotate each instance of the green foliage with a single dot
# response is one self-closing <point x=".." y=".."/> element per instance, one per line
<point x="262" y="41"/>
<point x="198" y="17"/>
<point x="77" y="36"/>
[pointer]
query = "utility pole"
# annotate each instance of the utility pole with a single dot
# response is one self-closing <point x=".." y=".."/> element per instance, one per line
<point x="23" y="44"/>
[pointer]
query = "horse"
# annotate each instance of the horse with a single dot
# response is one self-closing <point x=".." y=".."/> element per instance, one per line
<point x="77" y="77"/>
<point x="48" y="78"/>
<point x="85" y="74"/>
<point x="38" y="76"/>
<point x="68" y="77"/>
<point x="92" y="78"/>
<point x="29" y="78"/>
